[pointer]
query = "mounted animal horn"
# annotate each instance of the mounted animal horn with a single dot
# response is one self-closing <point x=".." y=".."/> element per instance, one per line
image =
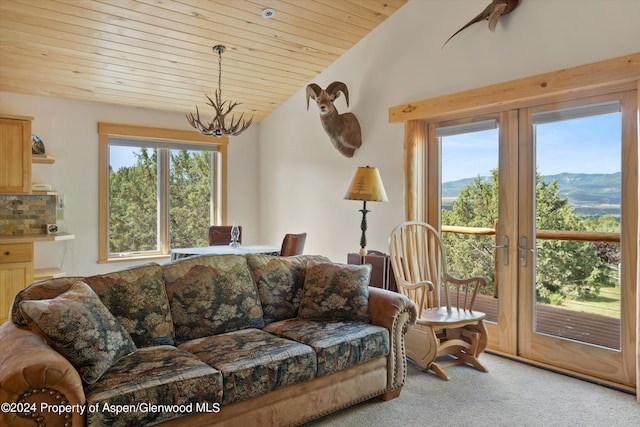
<point x="335" y="88"/>
<point x="343" y="129"/>
<point x="313" y="92"/>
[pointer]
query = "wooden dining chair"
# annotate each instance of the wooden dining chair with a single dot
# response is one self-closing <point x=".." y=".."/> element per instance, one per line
<point x="221" y="235"/>
<point x="448" y="331"/>
<point x="293" y="244"/>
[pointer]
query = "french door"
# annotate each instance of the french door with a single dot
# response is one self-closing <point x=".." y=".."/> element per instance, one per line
<point x="545" y="200"/>
<point x="585" y="252"/>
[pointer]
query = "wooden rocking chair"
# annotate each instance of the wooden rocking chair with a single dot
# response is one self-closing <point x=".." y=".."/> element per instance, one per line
<point x="447" y="331"/>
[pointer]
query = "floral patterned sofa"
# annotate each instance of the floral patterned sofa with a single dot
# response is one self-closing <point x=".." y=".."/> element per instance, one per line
<point x="208" y="340"/>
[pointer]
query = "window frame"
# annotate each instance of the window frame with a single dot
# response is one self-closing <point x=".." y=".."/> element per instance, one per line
<point x="173" y="136"/>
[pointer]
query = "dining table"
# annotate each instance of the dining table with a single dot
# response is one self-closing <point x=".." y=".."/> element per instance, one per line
<point x="180" y="253"/>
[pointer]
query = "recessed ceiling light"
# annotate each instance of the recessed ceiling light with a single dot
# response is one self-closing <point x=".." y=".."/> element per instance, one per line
<point x="268" y="13"/>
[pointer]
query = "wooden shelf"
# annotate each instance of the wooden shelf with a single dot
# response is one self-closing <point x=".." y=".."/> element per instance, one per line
<point x="36" y="238"/>
<point x="33" y="193"/>
<point x="43" y="159"/>
<point x="43" y="193"/>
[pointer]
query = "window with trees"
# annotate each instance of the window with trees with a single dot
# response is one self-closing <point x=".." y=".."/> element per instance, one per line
<point x="159" y="189"/>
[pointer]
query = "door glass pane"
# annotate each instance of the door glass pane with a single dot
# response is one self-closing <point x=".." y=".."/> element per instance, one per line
<point x="578" y="193"/>
<point x="469" y="205"/>
<point x="190" y="197"/>
<point x="133" y="199"/>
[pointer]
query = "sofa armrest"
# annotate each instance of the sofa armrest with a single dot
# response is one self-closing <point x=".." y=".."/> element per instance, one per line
<point x="397" y="313"/>
<point x="36" y="375"/>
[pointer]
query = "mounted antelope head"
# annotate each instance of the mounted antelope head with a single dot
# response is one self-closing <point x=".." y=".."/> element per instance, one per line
<point x="343" y="129"/>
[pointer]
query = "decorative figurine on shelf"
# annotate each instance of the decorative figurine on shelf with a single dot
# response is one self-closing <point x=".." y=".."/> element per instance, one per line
<point x="235" y="234"/>
<point x="37" y="146"/>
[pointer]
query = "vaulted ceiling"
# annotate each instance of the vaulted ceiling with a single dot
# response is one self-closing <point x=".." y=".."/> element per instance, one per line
<point x="158" y="53"/>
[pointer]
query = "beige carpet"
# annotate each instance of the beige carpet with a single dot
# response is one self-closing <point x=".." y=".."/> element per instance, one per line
<point x="510" y="394"/>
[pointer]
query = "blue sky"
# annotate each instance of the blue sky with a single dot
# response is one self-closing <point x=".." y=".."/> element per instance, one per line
<point x="587" y="145"/>
<point x="121" y="155"/>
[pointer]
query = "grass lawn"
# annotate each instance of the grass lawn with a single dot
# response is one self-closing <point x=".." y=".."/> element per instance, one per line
<point x="606" y="304"/>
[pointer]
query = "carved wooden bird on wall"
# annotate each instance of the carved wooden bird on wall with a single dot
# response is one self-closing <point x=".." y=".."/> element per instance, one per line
<point x="493" y="12"/>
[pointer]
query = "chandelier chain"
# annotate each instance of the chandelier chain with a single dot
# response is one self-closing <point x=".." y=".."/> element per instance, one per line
<point x="219" y="74"/>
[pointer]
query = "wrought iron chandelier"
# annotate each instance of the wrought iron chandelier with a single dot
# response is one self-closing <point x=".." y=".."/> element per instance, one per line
<point x="218" y="125"/>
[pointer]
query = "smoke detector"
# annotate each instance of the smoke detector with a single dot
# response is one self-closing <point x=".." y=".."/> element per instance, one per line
<point x="268" y="13"/>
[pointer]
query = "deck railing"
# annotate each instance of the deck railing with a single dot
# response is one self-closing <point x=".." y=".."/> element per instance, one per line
<point x="580" y="236"/>
<point x="584" y="236"/>
<point x="591" y="328"/>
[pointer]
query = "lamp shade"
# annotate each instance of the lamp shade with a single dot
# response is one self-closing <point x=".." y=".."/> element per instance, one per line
<point x="366" y="185"/>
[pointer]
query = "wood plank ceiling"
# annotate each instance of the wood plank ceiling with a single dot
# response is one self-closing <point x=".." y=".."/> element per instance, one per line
<point x="158" y="53"/>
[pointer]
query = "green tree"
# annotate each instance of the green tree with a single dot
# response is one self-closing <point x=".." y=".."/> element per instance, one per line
<point x="608" y="252"/>
<point x="133" y="205"/>
<point x="133" y="201"/>
<point x="476" y="206"/>
<point x="564" y="269"/>
<point x="190" y="192"/>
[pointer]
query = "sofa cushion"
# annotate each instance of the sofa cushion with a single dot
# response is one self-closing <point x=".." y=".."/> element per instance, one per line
<point x="280" y="280"/>
<point x="211" y="294"/>
<point x="254" y="362"/>
<point x="336" y="291"/>
<point x="44" y="289"/>
<point x="338" y="345"/>
<point x="80" y="327"/>
<point x="138" y="299"/>
<point x="161" y="375"/>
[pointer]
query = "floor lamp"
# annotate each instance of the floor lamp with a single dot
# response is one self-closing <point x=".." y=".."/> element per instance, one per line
<point x="366" y="186"/>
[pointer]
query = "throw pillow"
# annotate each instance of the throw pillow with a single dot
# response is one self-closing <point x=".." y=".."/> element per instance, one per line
<point x="210" y="295"/>
<point x="45" y="289"/>
<point x="80" y="327"/>
<point x="280" y="280"/>
<point x="336" y="291"/>
<point x="137" y="298"/>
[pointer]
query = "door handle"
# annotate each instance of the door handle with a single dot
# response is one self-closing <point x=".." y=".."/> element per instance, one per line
<point x="524" y="250"/>
<point x="505" y="246"/>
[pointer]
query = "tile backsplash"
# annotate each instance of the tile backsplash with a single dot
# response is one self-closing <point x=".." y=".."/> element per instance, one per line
<point x="26" y="214"/>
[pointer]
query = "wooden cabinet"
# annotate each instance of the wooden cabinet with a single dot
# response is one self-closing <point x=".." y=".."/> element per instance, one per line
<point x="16" y="252"/>
<point x="16" y="272"/>
<point x="15" y="154"/>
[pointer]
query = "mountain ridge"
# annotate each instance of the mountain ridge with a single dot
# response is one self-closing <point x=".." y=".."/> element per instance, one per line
<point x="588" y="194"/>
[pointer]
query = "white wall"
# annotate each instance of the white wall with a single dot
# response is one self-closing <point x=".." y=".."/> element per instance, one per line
<point x="69" y="130"/>
<point x="303" y="178"/>
<point x="284" y="175"/>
